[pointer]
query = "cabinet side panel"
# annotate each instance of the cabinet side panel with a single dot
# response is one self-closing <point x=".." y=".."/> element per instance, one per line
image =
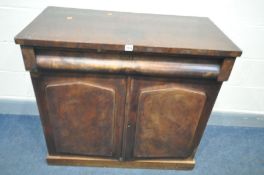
<point x="28" y="57"/>
<point x="82" y="116"/>
<point x="166" y="121"/>
<point x="37" y="81"/>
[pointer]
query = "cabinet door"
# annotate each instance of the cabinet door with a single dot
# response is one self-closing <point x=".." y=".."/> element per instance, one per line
<point x="166" y="117"/>
<point x="82" y="115"/>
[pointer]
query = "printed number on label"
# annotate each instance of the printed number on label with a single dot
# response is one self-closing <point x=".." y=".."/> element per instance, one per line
<point x="129" y="47"/>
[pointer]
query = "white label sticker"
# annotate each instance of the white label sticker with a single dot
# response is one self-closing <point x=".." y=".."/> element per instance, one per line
<point x="129" y="47"/>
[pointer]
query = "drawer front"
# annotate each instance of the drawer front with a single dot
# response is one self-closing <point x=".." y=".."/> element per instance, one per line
<point x="126" y="64"/>
<point x="167" y="117"/>
<point x="83" y="115"/>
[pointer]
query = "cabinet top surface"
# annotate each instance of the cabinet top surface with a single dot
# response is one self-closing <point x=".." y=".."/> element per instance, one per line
<point x="108" y="30"/>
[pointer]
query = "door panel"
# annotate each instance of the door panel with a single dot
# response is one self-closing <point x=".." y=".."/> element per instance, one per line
<point x="167" y="118"/>
<point x="82" y="115"/>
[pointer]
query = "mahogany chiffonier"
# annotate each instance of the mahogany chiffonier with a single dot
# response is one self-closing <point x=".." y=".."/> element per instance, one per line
<point x="124" y="89"/>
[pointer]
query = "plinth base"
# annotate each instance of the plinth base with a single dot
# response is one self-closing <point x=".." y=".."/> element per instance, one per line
<point x="101" y="162"/>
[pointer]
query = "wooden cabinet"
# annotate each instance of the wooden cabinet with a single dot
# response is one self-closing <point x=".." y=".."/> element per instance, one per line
<point x="109" y="93"/>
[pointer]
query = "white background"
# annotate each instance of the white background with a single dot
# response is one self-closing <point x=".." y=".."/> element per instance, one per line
<point x="241" y="20"/>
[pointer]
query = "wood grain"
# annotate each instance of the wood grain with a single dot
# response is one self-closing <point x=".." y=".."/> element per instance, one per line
<point x="29" y="57"/>
<point x="226" y="69"/>
<point x="190" y="128"/>
<point x="167" y="119"/>
<point x="77" y="62"/>
<point x="77" y="113"/>
<point x="91" y="29"/>
<point x="82" y="116"/>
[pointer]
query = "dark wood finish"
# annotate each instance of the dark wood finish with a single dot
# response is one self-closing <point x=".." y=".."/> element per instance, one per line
<point x="101" y="105"/>
<point x="162" y="106"/>
<point x="42" y="107"/>
<point x="29" y="57"/>
<point x="166" y="121"/>
<point x="82" y="114"/>
<point x="226" y="69"/>
<point x="75" y="62"/>
<point x="107" y="30"/>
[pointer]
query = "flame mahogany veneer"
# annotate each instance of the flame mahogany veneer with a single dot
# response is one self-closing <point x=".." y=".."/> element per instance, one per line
<point x="124" y="89"/>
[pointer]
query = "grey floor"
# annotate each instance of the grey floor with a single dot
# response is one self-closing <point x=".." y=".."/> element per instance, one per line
<point x="223" y="150"/>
